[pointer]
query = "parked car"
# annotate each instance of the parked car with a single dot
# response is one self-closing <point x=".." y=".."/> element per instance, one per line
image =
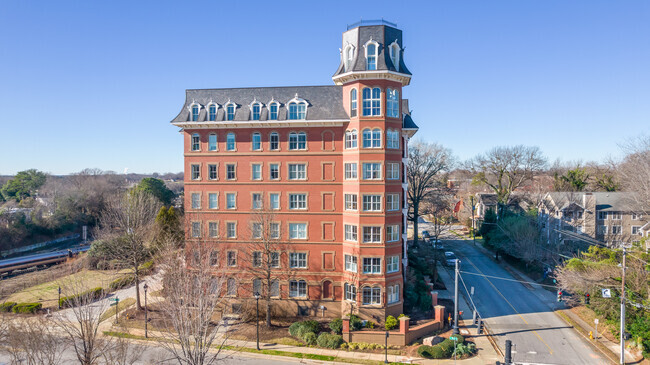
<point x="426" y="234"/>
<point x="450" y="258"/>
<point x="437" y="245"/>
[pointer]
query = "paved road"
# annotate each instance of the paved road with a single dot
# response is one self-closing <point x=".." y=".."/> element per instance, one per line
<point x="523" y="315"/>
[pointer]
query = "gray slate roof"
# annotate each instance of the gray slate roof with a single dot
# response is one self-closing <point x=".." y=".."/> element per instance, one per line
<point x="488" y="199"/>
<point x="605" y="201"/>
<point x="323" y="102"/>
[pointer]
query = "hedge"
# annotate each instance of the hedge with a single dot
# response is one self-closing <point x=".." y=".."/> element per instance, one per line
<point x="121" y="282"/>
<point x="146" y="267"/>
<point x="310" y="338"/>
<point x="443" y="350"/>
<point x="355" y="323"/>
<point x="93" y="294"/>
<point x="305" y="331"/>
<point x="27" y="307"/>
<point x="6" y="306"/>
<point x="336" y="326"/>
<point x="329" y="340"/>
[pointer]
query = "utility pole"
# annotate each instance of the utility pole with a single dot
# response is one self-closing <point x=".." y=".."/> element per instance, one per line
<point x="622" y="361"/>
<point x="456" y="331"/>
<point x="471" y="198"/>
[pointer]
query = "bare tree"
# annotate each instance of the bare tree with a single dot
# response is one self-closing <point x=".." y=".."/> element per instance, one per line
<point x="504" y="169"/>
<point x="80" y="323"/>
<point x="262" y="257"/>
<point x="634" y="171"/>
<point x="122" y="352"/>
<point x="127" y="229"/>
<point x="426" y="165"/>
<point x="33" y="341"/>
<point x="438" y="207"/>
<point x="194" y="293"/>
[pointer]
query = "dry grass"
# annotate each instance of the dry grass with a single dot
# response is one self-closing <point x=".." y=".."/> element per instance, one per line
<point x="47" y="293"/>
<point x="110" y="312"/>
<point x="587" y="315"/>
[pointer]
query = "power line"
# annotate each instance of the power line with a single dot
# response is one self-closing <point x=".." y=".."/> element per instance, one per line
<point x="506" y="279"/>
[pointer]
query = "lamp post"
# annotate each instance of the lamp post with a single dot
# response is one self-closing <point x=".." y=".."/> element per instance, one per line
<point x="473" y="224"/>
<point x="59" y="297"/>
<point x="145" y="287"/>
<point x="386" y="349"/>
<point x="257" y="299"/>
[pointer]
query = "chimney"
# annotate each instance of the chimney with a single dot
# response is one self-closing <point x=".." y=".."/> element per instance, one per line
<point x="589" y="215"/>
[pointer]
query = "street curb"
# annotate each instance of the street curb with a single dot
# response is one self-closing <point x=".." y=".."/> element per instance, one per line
<point x="581" y="331"/>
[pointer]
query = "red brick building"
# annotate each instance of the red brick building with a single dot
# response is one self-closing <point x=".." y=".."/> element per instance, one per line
<point x="328" y="162"/>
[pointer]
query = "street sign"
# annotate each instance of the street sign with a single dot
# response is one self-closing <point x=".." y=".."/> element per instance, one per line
<point x="606" y="293"/>
<point x="471" y="291"/>
<point x="453" y="338"/>
<point x="596" y="320"/>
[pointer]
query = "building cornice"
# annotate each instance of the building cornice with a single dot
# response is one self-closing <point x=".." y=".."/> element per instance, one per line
<point x="344" y="78"/>
<point x="261" y="124"/>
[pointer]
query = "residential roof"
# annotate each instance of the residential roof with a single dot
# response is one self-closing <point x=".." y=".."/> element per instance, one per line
<point x="605" y="201"/>
<point x="487" y="199"/>
<point x="323" y="102"/>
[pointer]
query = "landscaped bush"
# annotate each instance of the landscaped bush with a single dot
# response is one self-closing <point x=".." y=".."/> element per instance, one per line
<point x="70" y="301"/>
<point x="370" y="324"/>
<point x="312" y="325"/>
<point x="425" y="351"/>
<point x="462" y="349"/>
<point x="305" y="331"/>
<point x="121" y="282"/>
<point x="329" y="340"/>
<point x="6" y="306"/>
<point x="336" y="325"/>
<point x="391" y="322"/>
<point x="310" y="338"/>
<point x="443" y="350"/>
<point x="27" y="307"/>
<point x="355" y="323"/>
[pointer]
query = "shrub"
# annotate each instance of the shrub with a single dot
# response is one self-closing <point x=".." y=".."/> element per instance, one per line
<point x="26" y="307"/>
<point x="432" y="352"/>
<point x="344" y="345"/>
<point x="312" y="325"/>
<point x="69" y="301"/>
<point x="462" y="349"/>
<point x="447" y="347"/>
<point x="400" y="316"/>
<point x="310" y="338"/>
<point x="146" y="267"/>
<point x="336" y="325"/>
<point x="370" y="324"/>
<point x="293" y="329"/>
<point x="121" y="282"/>
<point x="425" y="351"/>
<point x="391" y="322"/>
<point x="355" y="323"/>
<point x="6" y="306"/>
<point x="329" y="340"/>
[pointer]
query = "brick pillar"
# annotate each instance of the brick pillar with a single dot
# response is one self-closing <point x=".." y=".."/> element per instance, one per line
<point x="439" y="311"/>
<point x="404" y="325"/>
<point x="346" y="329"/>
<point x="434" y="298"/>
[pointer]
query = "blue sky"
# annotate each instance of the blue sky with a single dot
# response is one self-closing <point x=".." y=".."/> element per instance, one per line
<point x="95" y="84"/>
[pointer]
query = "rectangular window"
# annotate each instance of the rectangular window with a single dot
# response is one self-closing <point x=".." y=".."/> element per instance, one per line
<point x="196" y="172"/>
<point x="636" y="230"/>
<point x="297" y="172"/>
<point x="602" y="216"/>
<point x="392" y="264"/>
<point x="392" y="139"/>
<point x="371" y="265"/>
<point x="392" y="233"/>
<point x="579" y="214"/>
<point x="231" y="229"/>
<point x="298" y="230"/>
<point x="196" y="142"/>
<point x="617" y="216"/>
<point x="257" y="139"/>
<point x="274" y="230"/>
<point x="297" y="289"/>
<point x="232" y="258"/>
<point x="212" y="142"/>
<point x="393" y="294"/>
<point x="617" y="230"/>
<point x="231" y="287"/>
<point x="196" y="200"/>
<point x="231" y="172"/>
<point x="371" y="171"/>
<point x="297" y="141"/>
<point x="351" y="202"/>
<point x="231" y="201"/>
<point x="392" y="171"/>
<point x="230" y="141"/>
<point x="274" y="171"/>
<point x="275" y="259"/>
<point x="256" y="172"/>
<point x="257" y="287"/>
<point x="636" y="216"/>
<point x="602" y="230"/>
<point x="275" y="201"/>
<point x="214" y="258"/>
<point x="298" y="260"/>
<point x="273" y="112"/>
<point x="196" y="229"/>
<point x="212" y="172"/>
<point x="392" y="202"/>
<point x="350" y="292"/>
<point x="297" y="201"/>
<point x="372" y="203"/>
<point x="257" y="201"/>
<point x="351" y="171"/>
<point x="350" y="263"/>
<point x="371" y="234"/>
<point x="213" y="201"/>
<point x="371" y="296"/>
<point x="257" y="259"/>
<point x="213" y="229"/>
<point x="351" y="233"/>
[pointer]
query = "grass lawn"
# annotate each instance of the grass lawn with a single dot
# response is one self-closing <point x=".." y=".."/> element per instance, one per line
<point x="47" y="293"/>
<point x="110" y="312"/>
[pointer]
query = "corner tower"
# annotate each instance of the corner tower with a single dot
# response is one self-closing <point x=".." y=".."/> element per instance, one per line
<point x="372" y="74"/>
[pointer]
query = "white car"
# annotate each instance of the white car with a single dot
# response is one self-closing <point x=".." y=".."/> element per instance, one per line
<point x="450" y="258"/>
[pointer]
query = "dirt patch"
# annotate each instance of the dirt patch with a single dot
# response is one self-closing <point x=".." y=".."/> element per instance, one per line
<point x="588" y="315"/>
<point x="248" y="331"/>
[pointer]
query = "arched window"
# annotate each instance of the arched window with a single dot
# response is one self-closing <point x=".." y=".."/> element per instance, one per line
<point x="348" y="57"/>
<point x="371" y="295"/>
<point x="392" y="103"/>
<point x="212" y="112"/>
<point x="195" y="112"/>
<point x="255" y="111"/>
<point x="230" y="142"/>
<point x="297" y="141"/>
<point x="212" y="142"/>
<point x="196" y="142"/>
<point x="327" y="290"/>
<point x="273" y="111"/>
<point x="257" y="142"/>
<point x="353" y="103"/>
<point x="351" y="139"/>
<point x="392" y="140"/>
<point x="230" y="111"/>
<point x="297" y="110"/>
<point x="371" y="56"/>
<point x="371" y="101"/>
<point x="394" y="55"/>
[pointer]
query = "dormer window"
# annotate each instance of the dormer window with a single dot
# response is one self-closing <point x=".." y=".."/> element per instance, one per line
<point x="212" y="112"/>
<point x="394" y="54"/>
<point x="195" y="112"/>
<point x="273" y="111"/>
<point x="297" y="110"/>
<point x="371" y="55"/>
<point x="353" y="103"/>
<point x="348" y="57"/>
<point x="255" y="111"/>
<point x="230" y="111"/>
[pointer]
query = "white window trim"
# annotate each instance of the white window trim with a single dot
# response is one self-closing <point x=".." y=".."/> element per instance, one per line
<point x="190" y="107"/>
<point x="225" y="108"/>
<point x="298" y="100"/>
<point x="365" y="48"/>
<point x="250" y="106"/>
<point x="277" y="104"/>
<point x="207" y="111"/>
<point x="391" y="50"/>
<point x="348" y="66"/>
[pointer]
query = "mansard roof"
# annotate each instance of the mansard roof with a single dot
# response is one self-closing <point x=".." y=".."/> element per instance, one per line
<point x="323" y="102"/>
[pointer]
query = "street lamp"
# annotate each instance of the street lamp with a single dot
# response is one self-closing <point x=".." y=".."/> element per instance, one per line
<point x="257" y="299"/>
<point x="59" y="297"/>
<point x="145" y="287"/>
<point x="386" y="349"/>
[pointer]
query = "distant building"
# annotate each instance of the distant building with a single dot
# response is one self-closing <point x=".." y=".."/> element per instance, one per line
<point x="328" y="161"/>
<point x="611" y="217"/>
